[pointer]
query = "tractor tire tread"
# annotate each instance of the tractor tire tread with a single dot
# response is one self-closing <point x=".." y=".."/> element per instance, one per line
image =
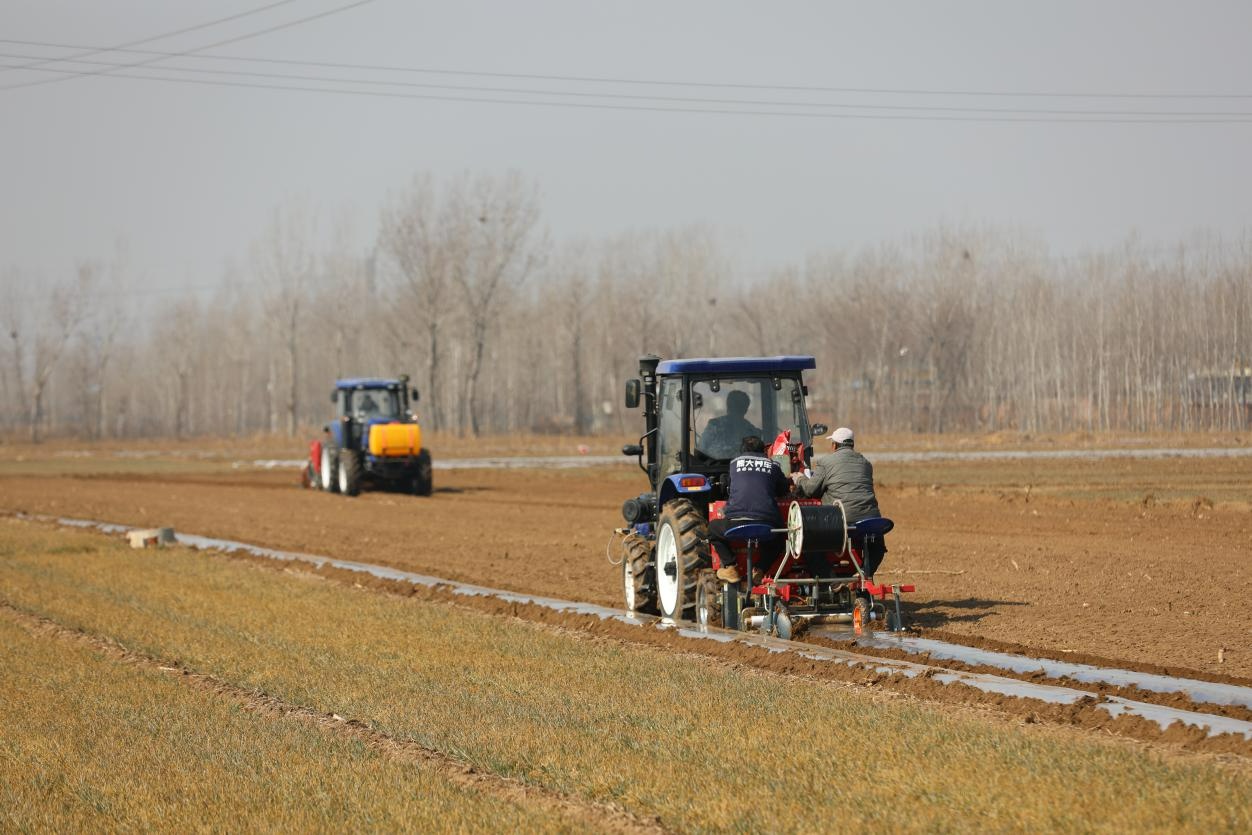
<point x="638" y="554"/>
<point x="423" y="481"/>
<point x="350" y="462"/>
<point x="693" y="549"/>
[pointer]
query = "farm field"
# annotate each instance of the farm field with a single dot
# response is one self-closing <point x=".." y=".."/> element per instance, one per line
<point x="177" y="666"/>
<point x="1140" y="561"/>
<point x="98" y="741"/>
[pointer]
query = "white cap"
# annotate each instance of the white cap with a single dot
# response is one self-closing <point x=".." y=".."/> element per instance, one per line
<point x="842" y="435"/>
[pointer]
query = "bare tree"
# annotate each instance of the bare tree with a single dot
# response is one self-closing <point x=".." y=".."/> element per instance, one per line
<point x="40" y="328"/>
<point x="286" y="265"/>
<point x="573" y="292"/>
<point x="426" y="243"/>
<point x="105" y="319"/>
<point x="497" y="221"/>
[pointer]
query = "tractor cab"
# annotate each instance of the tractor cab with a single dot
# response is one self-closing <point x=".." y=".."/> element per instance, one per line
<point x="698" y="411"/>
<point x="360" y="401"/>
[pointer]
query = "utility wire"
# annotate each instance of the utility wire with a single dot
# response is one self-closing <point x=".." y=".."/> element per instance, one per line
<point x="585" y="79"/>
<point x="124" y="47"/>
<point x="903" y="113"/>
<point x="227" y="41"/>
<point x="673" y="99"/>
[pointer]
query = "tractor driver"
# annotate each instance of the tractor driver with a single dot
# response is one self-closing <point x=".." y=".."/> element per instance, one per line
<point x="846" y="476"/>
<point x="368" y="407"/>
<point x="755" y="483"/>
<point x="723" y="435"/>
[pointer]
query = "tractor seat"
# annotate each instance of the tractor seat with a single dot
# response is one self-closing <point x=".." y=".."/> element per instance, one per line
<point x="760" y="531"/>
<point x="873" y="526"/>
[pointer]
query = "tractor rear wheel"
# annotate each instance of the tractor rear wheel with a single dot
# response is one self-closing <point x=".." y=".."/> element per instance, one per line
<point x="638" y="585"/>
<point x="709" y="599"/>
<point x="349" y="472"/>
<point x="681" y="551"/>
<point x="329" y="471"/>
<point x="423" y="479"/>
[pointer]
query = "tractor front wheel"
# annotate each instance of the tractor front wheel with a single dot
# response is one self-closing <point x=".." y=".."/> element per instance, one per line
<point x="681" y="551"/>
<point x="349" y="472"/>
<point x="639" y="592"/>
<point x="329" y="470"/>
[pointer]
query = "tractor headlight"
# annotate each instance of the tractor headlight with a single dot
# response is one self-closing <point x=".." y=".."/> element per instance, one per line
<point x="632" y="511"/>
<point x="640" y="509"/>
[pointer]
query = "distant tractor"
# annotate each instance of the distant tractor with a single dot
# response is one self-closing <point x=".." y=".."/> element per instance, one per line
<point x="374" y="439"/>
<point x="696" y="413"/>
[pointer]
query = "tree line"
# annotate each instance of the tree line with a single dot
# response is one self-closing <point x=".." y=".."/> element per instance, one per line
<point x="502" y="330"/>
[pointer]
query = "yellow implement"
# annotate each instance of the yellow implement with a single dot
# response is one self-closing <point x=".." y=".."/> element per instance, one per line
<point x="395" y="439"/>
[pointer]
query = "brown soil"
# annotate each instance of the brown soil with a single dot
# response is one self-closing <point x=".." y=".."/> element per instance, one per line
<point x="1147" y="583"/>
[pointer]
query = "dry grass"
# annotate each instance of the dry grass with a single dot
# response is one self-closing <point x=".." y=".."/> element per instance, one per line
<point x="702" y="746"/>
<point x="94" y="745"/>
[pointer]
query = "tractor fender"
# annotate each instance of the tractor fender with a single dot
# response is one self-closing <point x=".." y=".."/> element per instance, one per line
<point x="335" y="428"/>
<point x="683" y="484"/>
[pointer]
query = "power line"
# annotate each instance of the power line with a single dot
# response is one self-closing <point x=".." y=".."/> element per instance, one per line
<point x="677" y="99"/>
<point x="162" y="36"/>
<point x="227" y="41"/>
<point x="586" y="79"/>
<point x="901" y="112"/>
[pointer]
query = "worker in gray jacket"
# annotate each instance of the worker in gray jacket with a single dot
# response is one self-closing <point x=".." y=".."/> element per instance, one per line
<point x="845" y="475"/>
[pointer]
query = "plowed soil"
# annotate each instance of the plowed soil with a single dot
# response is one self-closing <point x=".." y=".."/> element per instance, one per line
<point x="1143" y="562"/>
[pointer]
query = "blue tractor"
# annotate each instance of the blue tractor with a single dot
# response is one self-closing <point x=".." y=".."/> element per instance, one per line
<point x="374" y="439"/>
<point x="696" y="413"/>
<point x="810" y="570"/>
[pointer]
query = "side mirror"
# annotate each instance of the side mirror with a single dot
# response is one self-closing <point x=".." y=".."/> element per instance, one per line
<point x="697" y="400"/>
<point x="633" y="388"/>
<point x="818" y="429"/>
<point x="334" y="396"/>
<point x="633" y="449"/>
<point x="413" y="395"/>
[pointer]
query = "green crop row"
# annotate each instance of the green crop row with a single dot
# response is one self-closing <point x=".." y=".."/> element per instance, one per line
<point x="701" y="745"/>
<point x="92" y="745"/>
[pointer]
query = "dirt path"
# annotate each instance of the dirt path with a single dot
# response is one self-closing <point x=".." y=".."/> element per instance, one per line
<point x="1151" y="583"/>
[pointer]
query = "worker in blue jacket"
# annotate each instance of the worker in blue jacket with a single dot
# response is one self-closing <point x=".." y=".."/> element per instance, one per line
<point x="755" y="483"/>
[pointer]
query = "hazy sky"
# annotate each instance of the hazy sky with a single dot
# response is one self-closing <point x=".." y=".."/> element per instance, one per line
<point x="188" y="173"/>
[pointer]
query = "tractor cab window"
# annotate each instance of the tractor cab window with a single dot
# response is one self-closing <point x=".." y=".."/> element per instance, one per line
<point x="725" y="411"/>
<point x="372" y="404"/>
<point x="669" y="438"/>
<point x="789" y="413"/>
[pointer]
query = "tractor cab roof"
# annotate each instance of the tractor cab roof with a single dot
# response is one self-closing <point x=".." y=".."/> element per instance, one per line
<point x="737" y="365"/>
<point x="366" y="383"/>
